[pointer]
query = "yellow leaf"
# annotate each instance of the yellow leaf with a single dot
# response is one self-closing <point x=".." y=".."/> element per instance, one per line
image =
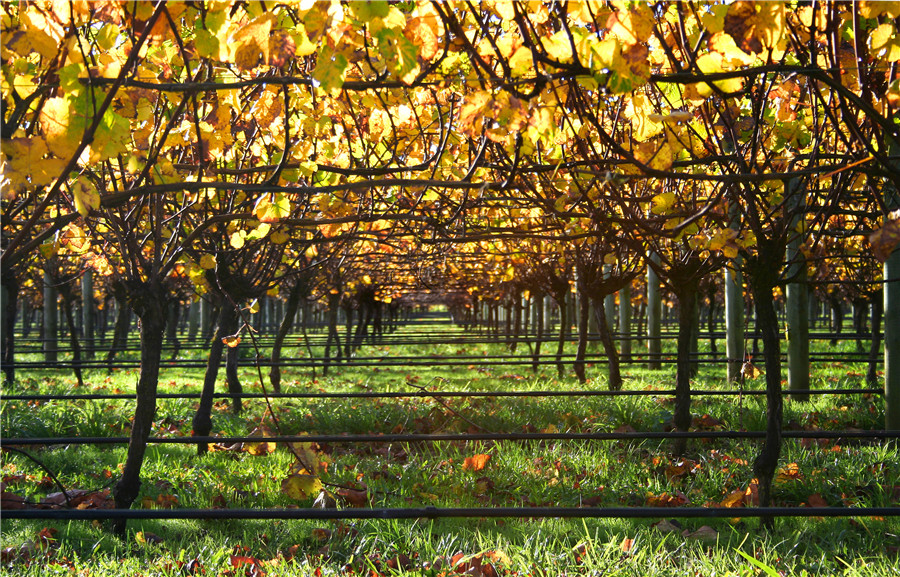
<point x="254" y="306"/>
<point x="251" y="42"/>
<point x="308" y="458"/>
<point x="711" y="63"/>
<point x="85" y="196"/>
<point x="770" y="25"/>
<point x="207" y="44"/>
<point x="33" y="39"/>
<point x="632" y="26"/>
<point x="882" y="37"/>
<point x="644" y="122"/>
<point x="106" y="37"/>
<point x="279" y="237"/>
<point x="260" y="449"/>
<point x="272" y="208"/>
<point x="749" y="371"/>
<point x="733" y="55"/>
<point x="62" y="129"/>
<point x="874" y="9"/>
<point x="208" y="261"/>
<point x="301" y="487"/>
<point x="237" y="239"/>
<point x="330" y="68"/>
<point x="790" y="472"/>
<point x="663" y="202"/>
<point x="657" y="157"/>
<point x="471" y="114"/>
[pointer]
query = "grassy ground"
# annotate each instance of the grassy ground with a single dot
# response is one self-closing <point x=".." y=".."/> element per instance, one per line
<point x="455" y="474"/>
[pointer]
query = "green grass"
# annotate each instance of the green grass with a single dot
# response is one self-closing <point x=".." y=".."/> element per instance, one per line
<point x="553" y="473"/>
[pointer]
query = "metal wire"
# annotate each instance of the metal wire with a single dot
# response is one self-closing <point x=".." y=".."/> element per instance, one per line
<point x="455" y="512"/>
<point x="429" y="394"/>
<point x="436" y="437"/>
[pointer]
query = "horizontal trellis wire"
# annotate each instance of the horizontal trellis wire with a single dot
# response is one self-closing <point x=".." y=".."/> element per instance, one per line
<point x="463" y="394"/>
<point x="434" y="437"/>
<point x="469" y="512"/>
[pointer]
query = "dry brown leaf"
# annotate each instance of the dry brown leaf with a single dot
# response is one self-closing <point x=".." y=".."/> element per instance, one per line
<point x="816" y="500"/>
<point x="704" y="533"/>
<point x="354" y="498"/>
<point x="666" y="526"/>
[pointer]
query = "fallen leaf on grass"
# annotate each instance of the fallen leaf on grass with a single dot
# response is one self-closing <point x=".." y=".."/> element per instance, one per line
<point x="260" y="449"/>
<point x="160" y="502"/>
<point x="479" y="565"/>
<point x="221" y="447"/>
<point x="666" y="500"/>
<point x="627" y="545"/>
<point x="816" y="500"/>
<point x="309" y="459"/>
<point x="704" y="533"/>
<point x="251" y="565"/>
<point x="401" y="562"/>
<point x="59" y="498"/>
<point x="354" y="498"/>
<point x="707" y="422"/>
<point x="579" y="551"/>
<point x="734" y="499"/>
<point x="46" y="537"/>
<point x="301" y="487"/>
<point x="10" y="501"/>
<point x="476" y="462"/>
<point x="43" y="541"/>
<point x="790" y="472"/>
<point x="147" y="538"/>
<point x="666" y="526"/>
<point x="681" y="468"/>
<point x="320" y="534"/>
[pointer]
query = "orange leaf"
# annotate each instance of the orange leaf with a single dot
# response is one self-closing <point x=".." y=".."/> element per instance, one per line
<point x="748" y="371"/>
<point x="476" y="462"/>
<point x="790" y="472"/>
<point x="752" y="493"/>
<point x="238" y="561"/>
<point x="666" y="500"/>
<point x="734" y="499"/>
<point x="816" y="500"/>
<point x="627" y="545"/>
<point x="166" y="501"/>
<point x="680" y="469"/>
<point x="231" y="341"/>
